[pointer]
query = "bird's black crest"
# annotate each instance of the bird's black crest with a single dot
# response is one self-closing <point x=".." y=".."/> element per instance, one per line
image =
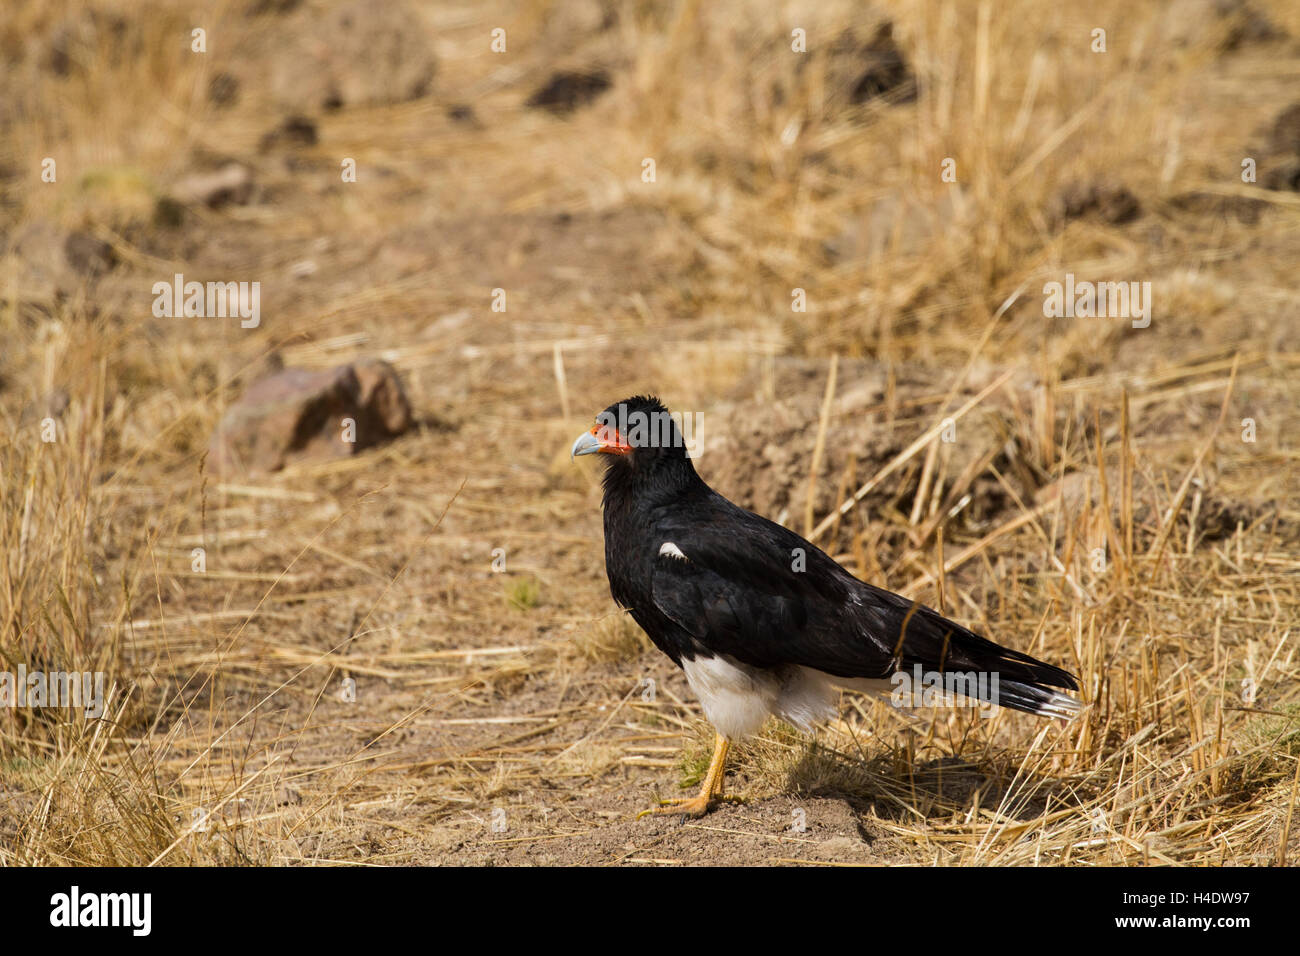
<point x="646" y="424"/>
<point x="646" y="404"/>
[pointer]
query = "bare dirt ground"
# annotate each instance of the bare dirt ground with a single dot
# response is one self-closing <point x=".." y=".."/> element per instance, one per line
<point x="1104" y="504"/>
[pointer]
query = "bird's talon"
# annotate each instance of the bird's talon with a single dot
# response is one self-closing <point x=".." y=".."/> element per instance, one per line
<point x="686" y="806"/>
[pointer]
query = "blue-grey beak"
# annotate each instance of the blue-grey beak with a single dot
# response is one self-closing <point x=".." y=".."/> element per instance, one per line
<point x="585" y="445"/>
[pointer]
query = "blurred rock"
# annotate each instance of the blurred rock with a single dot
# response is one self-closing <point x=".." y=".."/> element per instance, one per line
<point x="1111" y="202"/>
<point x="862" y="66"/>
<point x="297" y="415"/>
<point x="229" y="183"/>
<point x="168" y="213"/>
<point x="462" y="113"/>
<point x="223" y="89"/>
<point x="382" y="396"/>
<point x="294" y="131"/>
<point x="87" y="255"/>
<point x="880" y="69"/>
<point x="567" y="90"/>
<point x="357" y="53"/>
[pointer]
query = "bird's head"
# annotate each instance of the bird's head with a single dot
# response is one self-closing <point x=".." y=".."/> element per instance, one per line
<point x="637" y="436"/>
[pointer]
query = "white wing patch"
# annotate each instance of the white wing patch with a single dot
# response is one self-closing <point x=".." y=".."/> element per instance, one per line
<point x="668" y="549"/>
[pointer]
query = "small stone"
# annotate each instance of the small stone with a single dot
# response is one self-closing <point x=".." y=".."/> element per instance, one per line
<point x="567" y="90"/>
<point x="294" y="131"/>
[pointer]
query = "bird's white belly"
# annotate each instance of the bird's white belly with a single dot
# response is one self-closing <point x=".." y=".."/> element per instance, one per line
<point x="737" y="698"/>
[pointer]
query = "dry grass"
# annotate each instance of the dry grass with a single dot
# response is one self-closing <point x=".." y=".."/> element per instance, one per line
<point x="228" y="738"/>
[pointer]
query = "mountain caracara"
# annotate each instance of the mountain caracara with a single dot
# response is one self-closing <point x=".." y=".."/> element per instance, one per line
<point x="760" y="620"/>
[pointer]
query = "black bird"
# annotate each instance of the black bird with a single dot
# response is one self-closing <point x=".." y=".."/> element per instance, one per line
<point x="762" y="621"/>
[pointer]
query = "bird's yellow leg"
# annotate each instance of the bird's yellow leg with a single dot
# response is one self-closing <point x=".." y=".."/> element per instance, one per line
<point x="710" y="791"/>
<point x="720" y="779"/>
<point x="720" y="783"/>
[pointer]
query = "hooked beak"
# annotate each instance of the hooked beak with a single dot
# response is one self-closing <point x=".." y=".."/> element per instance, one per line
<point x="603" y="439"/>
<point x="587" y="444"/>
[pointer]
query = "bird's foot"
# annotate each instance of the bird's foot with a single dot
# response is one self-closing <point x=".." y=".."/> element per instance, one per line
<point x="696" y="806"/>
<point x="686" y="806"/>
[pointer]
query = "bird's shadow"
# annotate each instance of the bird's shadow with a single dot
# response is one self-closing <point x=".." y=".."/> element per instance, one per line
<point x="889" y="785"/>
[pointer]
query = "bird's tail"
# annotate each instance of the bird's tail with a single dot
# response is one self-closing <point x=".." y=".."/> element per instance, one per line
<point x="1036" y="699"/>
<point x="973" y="665"/>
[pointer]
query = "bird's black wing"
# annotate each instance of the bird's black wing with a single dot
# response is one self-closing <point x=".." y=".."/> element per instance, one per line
<point x="740" y="591"/>
<point x="759" y="593"/>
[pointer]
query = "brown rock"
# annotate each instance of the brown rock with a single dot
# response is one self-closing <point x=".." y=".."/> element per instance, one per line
<point x="298" y="414"/>
<point x="883" y="70"/>
<point x="1111" y="202"/>
<point x="862" y="67"/>
<point x="380" y="392"/>
<point x="223" y="89"/>
<point x="88" y="255"/>
<point x="294" y="131"/>
<point x="567" y="90"/>
<point x="462" y="113"/>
